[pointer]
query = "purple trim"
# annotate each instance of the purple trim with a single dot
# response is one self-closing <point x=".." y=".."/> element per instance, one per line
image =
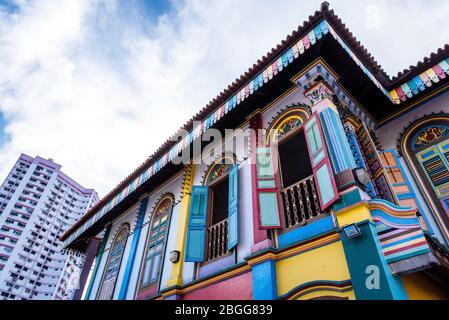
<point x="216" y="266"/>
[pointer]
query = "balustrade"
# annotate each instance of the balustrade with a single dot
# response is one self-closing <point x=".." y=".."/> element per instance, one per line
<point x="300" y="202"/>
<point x="217" y="240"/>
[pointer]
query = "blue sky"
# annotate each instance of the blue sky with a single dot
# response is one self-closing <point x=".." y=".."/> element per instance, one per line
<point x="153" y="8"/>
<point x="150" y="7"/>
<point x="98" y="85"/>
<point x="8" y="5"/>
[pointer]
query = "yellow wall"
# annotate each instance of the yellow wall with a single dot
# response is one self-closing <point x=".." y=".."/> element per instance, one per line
<point x="323" y="263"/>
<point x="353" y="214"/>
<point x="420" y="287"/>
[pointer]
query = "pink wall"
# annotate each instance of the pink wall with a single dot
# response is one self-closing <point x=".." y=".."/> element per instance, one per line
<point x="237" y="288"/>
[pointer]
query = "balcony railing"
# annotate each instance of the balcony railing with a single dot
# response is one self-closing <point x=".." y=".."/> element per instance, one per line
<point x="217" y="240"/>
<point x="300" y="202"/>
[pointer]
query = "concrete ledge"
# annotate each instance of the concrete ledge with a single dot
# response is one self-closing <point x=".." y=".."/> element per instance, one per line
<point x="414" y="264"/>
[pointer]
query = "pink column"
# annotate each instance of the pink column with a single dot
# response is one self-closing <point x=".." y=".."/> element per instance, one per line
<point x="260" y="236"/>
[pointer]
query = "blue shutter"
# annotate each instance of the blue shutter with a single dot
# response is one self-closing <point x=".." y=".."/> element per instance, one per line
<point x="233" y="204"/>
<point x="196" y="233"/>
<point x="321" y="166"/>
<point x="269" y="202"/>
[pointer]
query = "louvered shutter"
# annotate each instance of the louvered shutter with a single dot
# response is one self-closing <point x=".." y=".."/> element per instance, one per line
<point x="269" y="201"/>
<point x="196" y="233"/>
<point x="321" y="166"/>
<point x="233" y="203"/>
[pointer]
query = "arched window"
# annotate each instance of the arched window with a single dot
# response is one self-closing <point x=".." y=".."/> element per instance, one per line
<point x="287" y="122"/>
<point x="154" y="254"/>
<point x="287" y="136"/>
<point x="213" y="218"/>
<point x="425" y="145"/>
<point x="217" y="180"/>
<point x="218" y="169"/>
<point x="429" y="134"/>
<point x="112" y="269"/>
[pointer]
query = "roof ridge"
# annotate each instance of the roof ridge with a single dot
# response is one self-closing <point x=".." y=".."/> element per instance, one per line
<point x="356" y="45"/>
<point x="324" y="14"/>
<point x="423" y="63"/>
<point x="217" y="101"/>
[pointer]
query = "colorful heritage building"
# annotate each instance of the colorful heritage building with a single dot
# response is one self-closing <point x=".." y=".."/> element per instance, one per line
<point x="341" y="193"/>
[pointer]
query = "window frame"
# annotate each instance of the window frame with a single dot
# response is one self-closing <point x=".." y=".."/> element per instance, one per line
<point x="419" y="166"/>
<point x="121" y="229"/>
<point x="209" y="216"/>
<point x="141" y="287"/>
<point x="438" y="210"/>
<point x="210" y="203"/>
<point x="284" y="139"/>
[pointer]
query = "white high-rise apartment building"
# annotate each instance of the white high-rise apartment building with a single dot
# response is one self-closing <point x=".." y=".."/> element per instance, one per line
<point x="38" y="203"/>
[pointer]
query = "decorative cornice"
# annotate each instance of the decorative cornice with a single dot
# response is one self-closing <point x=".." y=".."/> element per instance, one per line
<point x="318" y="25"/>
<point x="280" y="254"/>
<point x="318" y="285"/>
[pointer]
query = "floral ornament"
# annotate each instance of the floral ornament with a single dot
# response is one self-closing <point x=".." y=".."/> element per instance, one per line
<point x="217" y="171"/>
<point x="287" y="126"/>
<point x="429" y="135"/>
<point x="164" y="206"/>
<point x="122" y="235"/>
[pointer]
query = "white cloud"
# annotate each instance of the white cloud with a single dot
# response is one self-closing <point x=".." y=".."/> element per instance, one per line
<point x="98" y="87"/>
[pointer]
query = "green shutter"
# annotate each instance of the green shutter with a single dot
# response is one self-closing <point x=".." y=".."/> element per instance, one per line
<point x="435" y="163"/>
<point x="321" y="166"/>
<point x="233" y="203"/>
<point x="196" y="233"/>
<point x="269" y="202"/>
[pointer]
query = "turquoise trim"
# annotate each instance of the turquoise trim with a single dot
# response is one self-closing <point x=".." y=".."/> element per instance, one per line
<point x="403" y="240"/>
<point x="337" y="141"/>
<point x="395" y="221"/>
<point x="97" y="262"/>
<point x="348" y="199"/>
<point x="133" y="251"/>
<point x="233" y="204"/>
<point x="401" y="256"/>
<point x="196" y="231"/>
<point x="359" y="160"/>
<point x="412" y="193"/>
<point x="390" y="205"/>
<point x="265" y="281"/>
<point x="363" y="253"/>
<point x="307" y="232"/>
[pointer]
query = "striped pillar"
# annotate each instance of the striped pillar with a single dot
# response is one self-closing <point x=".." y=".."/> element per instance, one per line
<point x="176" y="272"/>
<point x="133" y="251"/>
<point x="98" y="261"/>
<point x="337" y="142"/>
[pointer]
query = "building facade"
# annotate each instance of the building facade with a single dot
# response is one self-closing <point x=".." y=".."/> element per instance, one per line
<point x="340" y="189"/>
<point x="38" y="203"/>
